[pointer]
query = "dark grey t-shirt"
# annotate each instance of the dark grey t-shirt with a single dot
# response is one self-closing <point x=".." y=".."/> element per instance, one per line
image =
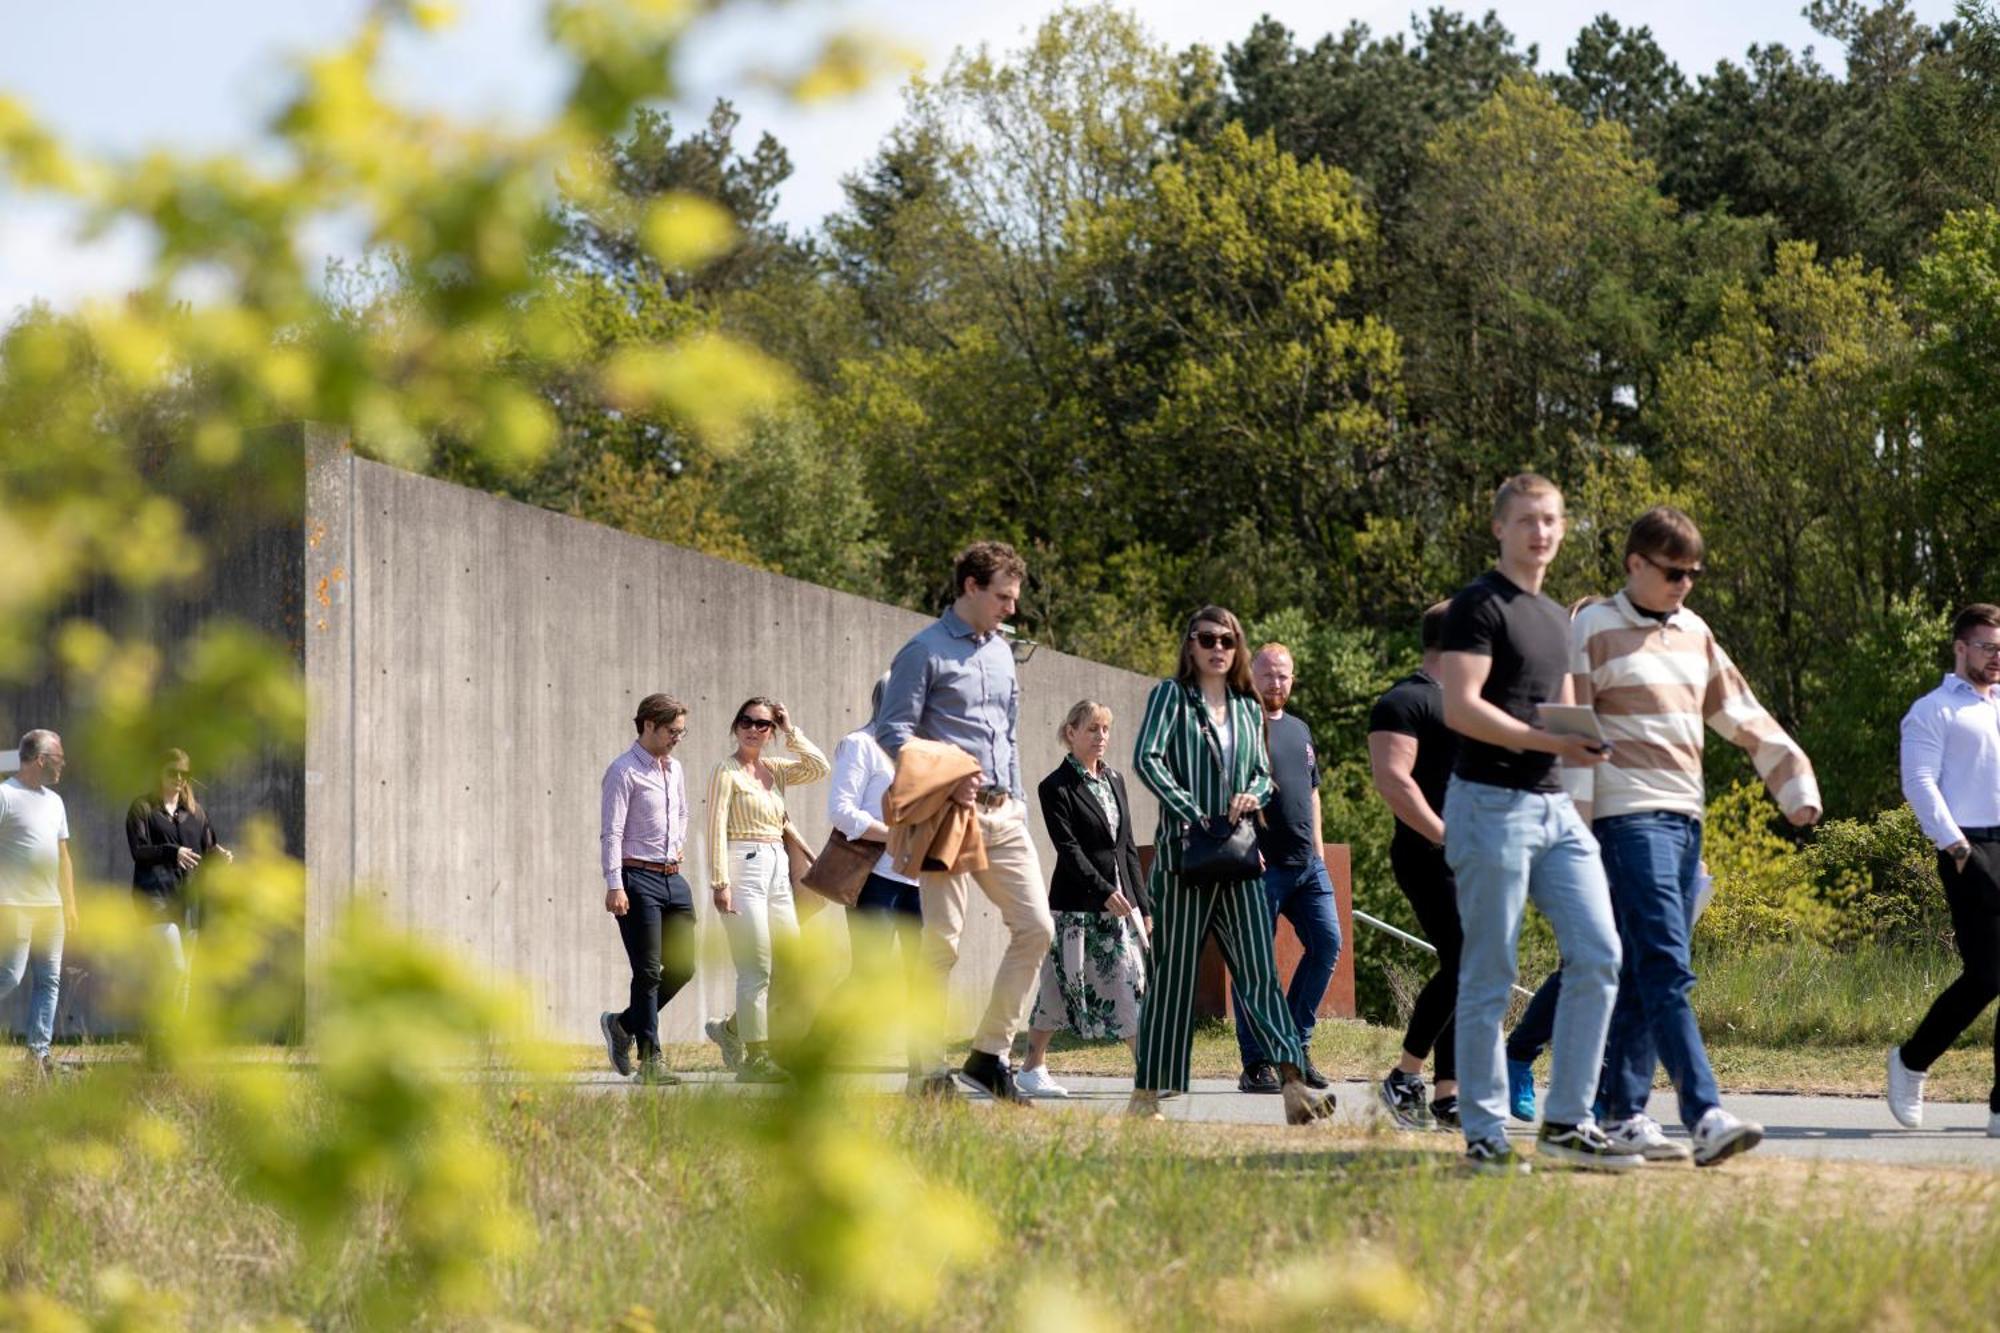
<point x="1527" y="636"/>
<point x="1287" y="836"/>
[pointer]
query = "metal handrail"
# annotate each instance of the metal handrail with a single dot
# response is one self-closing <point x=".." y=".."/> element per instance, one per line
<point x="1408" y="938"/>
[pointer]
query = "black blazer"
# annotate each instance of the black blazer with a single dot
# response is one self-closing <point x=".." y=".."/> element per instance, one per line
<point x="156" y="839"/>
<point x="1087" y="856"/>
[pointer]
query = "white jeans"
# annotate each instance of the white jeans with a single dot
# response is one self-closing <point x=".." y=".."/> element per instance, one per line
<point x="176" y="945"/>
<point x="760" y="889"/>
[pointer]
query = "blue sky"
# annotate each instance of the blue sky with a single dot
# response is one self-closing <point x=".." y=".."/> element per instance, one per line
<point x="121" y="77"/>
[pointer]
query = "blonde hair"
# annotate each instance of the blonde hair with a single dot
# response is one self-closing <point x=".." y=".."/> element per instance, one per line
<point x="1521" y="486"/>
<point x="1079" y="713"/>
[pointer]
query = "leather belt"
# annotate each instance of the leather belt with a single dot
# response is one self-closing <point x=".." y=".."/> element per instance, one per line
<point x="991" y="798"/>
<point x="1990" y="833"/>
<point x="657" y="867"/>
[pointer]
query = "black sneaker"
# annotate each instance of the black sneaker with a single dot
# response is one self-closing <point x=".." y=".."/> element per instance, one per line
<point x="934" y="1088"/>
<point x="617" y="1043"/>
<point x="1444" y="1112"/>
<point x="1260" y="1077"/>
<point x="1495" y="1157"/>
<point x="1582" y="1146"/>
<point x="1403" y="1098"/>
<point x="985" y="1070"/>
<point x="1314" y="1079"/>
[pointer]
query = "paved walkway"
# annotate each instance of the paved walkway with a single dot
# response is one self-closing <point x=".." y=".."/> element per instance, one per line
<point x="1841" y="1128"/>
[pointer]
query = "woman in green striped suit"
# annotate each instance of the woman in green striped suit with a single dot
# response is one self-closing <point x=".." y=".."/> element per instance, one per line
<point x="1200" y="726"/>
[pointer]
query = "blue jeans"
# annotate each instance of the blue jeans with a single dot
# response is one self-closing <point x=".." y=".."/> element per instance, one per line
<point x="1505" y="847"/>
<point x="1303" y="895"/>
<point x="1652" y="861"/>
<point x="33" y="935"/>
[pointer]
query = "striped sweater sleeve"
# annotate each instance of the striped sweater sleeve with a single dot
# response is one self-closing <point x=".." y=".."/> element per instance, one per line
<point x="1736" y="716"/>
<point x="1580" y="782"/>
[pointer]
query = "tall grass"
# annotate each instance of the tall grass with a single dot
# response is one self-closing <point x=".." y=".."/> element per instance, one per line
<point x="1806" y="994"/>
<point x="638" y="1209"/>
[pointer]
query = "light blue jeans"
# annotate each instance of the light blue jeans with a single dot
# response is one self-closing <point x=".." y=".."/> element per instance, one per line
<point x="33" y="935"/>
<point x="1506" y="847"/>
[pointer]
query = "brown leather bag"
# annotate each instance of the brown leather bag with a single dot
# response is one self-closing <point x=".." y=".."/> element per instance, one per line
<point x="842" y="867"/>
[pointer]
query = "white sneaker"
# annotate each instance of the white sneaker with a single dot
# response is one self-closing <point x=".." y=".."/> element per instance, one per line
<point x="1642" y="1137"/>
<point x="1037" y="1083"/>
<point x="1906" y="1092"/>
<point x="1719" y="1134"/>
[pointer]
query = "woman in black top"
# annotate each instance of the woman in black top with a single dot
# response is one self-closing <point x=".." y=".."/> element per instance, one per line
<point x="169" y="834"/>
<point x="1095" y="974"/>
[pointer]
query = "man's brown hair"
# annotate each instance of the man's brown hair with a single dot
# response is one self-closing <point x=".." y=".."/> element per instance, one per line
<point x="1239" y="665"/>
<point x="1665" y="533"/>
<point x="658" y="709"/>
<point x="1974" y="617"/>
<point x="982" y="562"/>
<point x="1520" y="486"/>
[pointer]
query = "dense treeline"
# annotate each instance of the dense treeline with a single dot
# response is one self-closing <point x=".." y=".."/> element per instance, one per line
<point x="1266" y="328"/>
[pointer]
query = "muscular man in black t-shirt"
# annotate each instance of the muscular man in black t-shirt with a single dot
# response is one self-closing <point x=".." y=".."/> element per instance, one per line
<point x="1511" y="834"/>
<point x="1410" y="752"/>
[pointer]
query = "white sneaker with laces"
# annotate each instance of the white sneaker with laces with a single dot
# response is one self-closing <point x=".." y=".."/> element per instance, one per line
<point x="1906" y="1091"/>
<point x="1642" y="1137"/>
<point x="1719" y="1134"/>
<point x="1037" y="1083"/>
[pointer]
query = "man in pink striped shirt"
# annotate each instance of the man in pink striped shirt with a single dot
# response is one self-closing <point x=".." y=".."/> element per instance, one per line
<point x="1656" y="676"/>
<point x="642" y="831"/>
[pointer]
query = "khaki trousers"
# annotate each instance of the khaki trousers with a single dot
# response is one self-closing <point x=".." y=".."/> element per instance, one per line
<point x="1012" y="882"/>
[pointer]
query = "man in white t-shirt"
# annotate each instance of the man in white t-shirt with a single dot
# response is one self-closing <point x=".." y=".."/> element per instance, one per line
<point x="37" y="886"/>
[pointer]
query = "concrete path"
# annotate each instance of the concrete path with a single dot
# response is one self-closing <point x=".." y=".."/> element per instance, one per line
<point x="1838" y="1128"/>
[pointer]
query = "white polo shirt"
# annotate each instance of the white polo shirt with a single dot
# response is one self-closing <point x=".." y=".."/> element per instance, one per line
<point x="33" y="827"/>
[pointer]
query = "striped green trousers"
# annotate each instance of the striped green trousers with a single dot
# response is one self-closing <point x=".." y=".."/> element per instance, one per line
<point x="1183" y="916"/>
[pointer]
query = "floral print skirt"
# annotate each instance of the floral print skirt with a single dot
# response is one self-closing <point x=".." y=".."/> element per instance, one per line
<point x="1093" y="978"/>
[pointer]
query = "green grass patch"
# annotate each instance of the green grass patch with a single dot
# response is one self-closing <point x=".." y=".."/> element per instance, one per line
<point x="642" y="1212"/>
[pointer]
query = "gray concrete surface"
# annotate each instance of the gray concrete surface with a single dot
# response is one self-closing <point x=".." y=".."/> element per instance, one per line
<point x="1857" y="1129"/>
<point x="472" y="665"/>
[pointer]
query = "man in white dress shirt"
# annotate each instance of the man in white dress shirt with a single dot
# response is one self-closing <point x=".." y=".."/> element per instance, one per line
<point x="1951" y="778"/>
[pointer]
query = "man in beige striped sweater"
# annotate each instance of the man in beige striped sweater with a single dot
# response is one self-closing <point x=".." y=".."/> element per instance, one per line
<point x="1655" y="674"/>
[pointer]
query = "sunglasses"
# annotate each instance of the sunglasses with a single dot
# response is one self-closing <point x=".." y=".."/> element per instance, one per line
<point x="176" y="772"/>
<point x="1675" y="573"/>
<point x="755" y="723"/>
<point x="1211" y="639"/>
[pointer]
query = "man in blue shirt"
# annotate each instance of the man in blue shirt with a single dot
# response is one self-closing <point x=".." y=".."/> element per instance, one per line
<point x="954" y="683"/>
<point x="1951" y="777"/>
<point x="1295" y="877"/>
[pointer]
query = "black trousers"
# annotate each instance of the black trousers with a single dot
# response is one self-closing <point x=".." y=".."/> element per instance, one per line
<point x="1425" y="879"/>
<point x="1974" y="897"/>
<point x="658" y="931"/>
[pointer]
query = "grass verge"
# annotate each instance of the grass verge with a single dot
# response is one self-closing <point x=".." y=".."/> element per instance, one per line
<point x="646" y="1214"/>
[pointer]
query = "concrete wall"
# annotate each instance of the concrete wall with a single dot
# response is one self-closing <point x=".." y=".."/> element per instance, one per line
<point x="472" y="666"/>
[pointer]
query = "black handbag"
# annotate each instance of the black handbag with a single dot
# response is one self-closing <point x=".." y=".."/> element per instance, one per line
<point x="1213" y="850"/>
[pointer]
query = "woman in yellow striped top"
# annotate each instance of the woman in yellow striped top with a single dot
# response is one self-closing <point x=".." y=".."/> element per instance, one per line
<point x="749" y="873"/>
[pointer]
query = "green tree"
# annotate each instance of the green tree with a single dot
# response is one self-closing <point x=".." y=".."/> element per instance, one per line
<point x="1788" y="432"/>
<point x="1366" y="104"/>
<point x="1542" y="267"/>
<point x="1244" y="383"/>
<point x="1956" y="290"/>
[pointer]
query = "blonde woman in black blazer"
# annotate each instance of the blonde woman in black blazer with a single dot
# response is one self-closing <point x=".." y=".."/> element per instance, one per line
<point x="1094" y="977"/>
